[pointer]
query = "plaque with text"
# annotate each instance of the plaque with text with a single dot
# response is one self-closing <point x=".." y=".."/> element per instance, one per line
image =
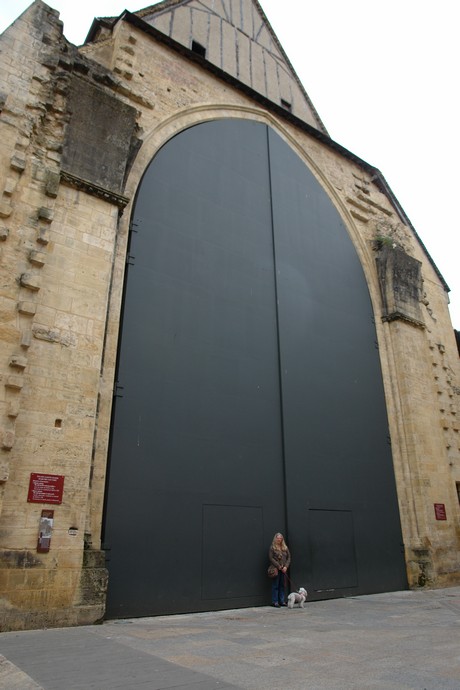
<point x="45" y="488"/>
<point x="440" y="511"/>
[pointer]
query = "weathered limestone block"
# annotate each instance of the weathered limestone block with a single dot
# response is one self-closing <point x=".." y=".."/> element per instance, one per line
<point x="14" y="382"/>
<point x="30" y="281"/>
<point x="4" y="468"/>
<point x="13" y="407"/>
<point x="420" y="567"/>
<point x="53" y="335"/>
<point x="94" y="579"/>
<point x="18" y="162"/>
<point x="18" y="361"/>
<point x="8" y="438"/>
<point x="400" y="278"/>
<point x="26" y="307"/>
<point x="52" y="181"/>
<point x="26" y="339"/>
<point x="10" y="186"/>
<point x="5" y="209"/>
<point x="43" y="235"/>
<point x="103" y="160"/>
<point x="45" y="214"/>
<point x="37" y="258"/>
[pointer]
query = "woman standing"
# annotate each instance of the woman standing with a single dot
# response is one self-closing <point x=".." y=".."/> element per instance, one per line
<point x="280" y="557"/>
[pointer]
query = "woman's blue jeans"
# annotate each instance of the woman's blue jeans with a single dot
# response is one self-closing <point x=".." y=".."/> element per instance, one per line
<point x="278" y="584"/>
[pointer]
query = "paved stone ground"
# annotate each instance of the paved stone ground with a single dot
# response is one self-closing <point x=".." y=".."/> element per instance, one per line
<point x="395" y="641"/>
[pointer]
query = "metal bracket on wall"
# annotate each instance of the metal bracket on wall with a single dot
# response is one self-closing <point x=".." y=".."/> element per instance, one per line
<point x="116" y="393"/>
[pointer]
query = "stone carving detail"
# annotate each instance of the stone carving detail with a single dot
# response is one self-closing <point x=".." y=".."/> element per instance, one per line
<point x="401" y="285"/>
<point x="102" y="162"/>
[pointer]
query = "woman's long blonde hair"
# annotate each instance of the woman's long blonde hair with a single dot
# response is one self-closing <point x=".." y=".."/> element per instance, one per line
<point x="277" y="546"/>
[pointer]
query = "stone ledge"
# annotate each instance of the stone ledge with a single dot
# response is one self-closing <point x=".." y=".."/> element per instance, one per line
<point x="399" y="316"/>
<point x="94" y="190"/>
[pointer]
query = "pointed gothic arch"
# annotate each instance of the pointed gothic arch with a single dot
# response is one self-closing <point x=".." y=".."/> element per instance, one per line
<point x="252" y="392"/>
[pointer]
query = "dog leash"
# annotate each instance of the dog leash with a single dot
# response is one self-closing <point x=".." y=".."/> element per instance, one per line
<point x="293" y="587"/>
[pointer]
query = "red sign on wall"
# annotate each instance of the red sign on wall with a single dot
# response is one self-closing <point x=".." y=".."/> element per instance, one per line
<point x="45" y="488"/>
<point x="440" y="511"/>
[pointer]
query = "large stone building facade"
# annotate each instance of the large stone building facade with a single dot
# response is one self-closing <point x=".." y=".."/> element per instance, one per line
<point x="169" y="142"/>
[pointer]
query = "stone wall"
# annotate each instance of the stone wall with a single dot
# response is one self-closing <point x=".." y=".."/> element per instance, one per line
<point x="77" y="131"/>
<point x="56" y="267"/>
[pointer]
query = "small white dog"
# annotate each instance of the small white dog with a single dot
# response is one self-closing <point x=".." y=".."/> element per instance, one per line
<point x="297" y="598"/>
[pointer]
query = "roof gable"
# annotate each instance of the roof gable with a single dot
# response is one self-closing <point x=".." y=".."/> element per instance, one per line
<point x="236" y="36"/>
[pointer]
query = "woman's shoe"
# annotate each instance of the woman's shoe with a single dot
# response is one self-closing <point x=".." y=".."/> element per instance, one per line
<point x="276" y="605"/>
<point x="283" y="604"/>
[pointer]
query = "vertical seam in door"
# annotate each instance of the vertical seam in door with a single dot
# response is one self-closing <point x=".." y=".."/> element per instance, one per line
<point x="278" y="343"/>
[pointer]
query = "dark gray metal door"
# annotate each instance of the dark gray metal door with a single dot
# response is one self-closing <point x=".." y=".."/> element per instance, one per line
<point x="250" y="393"/>
<point x="343" y="516"/>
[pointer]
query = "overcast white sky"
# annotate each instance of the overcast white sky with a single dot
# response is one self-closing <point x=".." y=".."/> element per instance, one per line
<point x="383" y="77"/>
